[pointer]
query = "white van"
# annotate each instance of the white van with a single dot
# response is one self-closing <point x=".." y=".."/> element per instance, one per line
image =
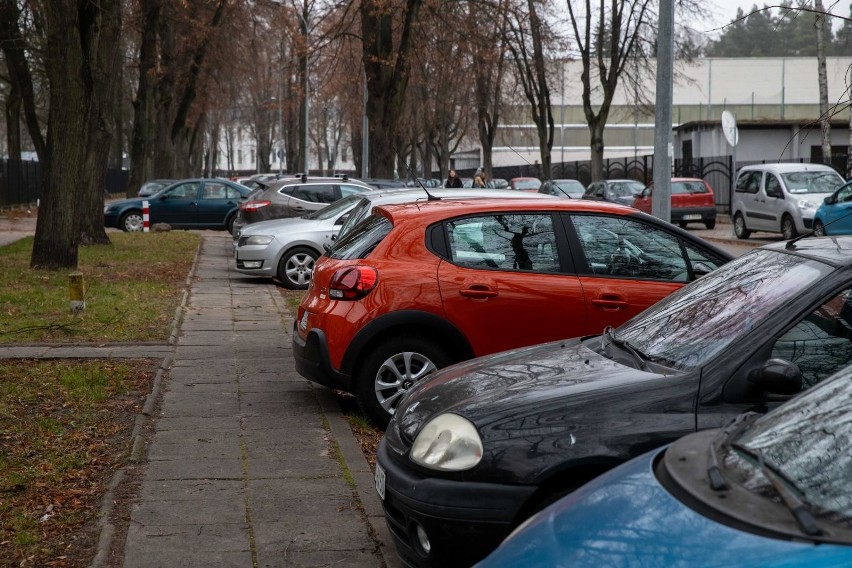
<point x="780" y="198"/>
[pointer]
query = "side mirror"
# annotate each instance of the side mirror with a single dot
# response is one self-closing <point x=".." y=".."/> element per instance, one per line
<point x="777" y="376"/>
<point x="342" y="219"/>
<point x="645" y="193"/>
<point x="830" y="200"/>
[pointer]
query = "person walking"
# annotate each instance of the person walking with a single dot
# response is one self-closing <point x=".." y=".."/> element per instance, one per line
<point x="453" y="180"/>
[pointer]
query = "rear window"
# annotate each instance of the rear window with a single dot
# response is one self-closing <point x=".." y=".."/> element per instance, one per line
<point x="363" y="238"/>
<point x="687" y="187"/>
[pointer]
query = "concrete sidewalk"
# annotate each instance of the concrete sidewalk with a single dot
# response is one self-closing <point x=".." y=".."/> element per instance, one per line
<point x="250" y="465"/>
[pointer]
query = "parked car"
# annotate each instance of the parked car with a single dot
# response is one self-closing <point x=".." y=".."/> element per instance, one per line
<point x="497" y="183"/>
<point x="187" y="204"/>
<point x="832" y="217"/>
<point x="479" y="447"/>
<point x="416" y="287"/>
<point x="563" y="188"/>
<point x="714" y="498"/>
<point x="294" y="197"/>
<point x="152" y="186"/>
<point x="621" y="191"/>
<point x="385" y="183"/>
<point x="530" y="184"/>
<point x="780" y="198"/>
<point x="692" y="200"/>
<point x="287" y="248"/>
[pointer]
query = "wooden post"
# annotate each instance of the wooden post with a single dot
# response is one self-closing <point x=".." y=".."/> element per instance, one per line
<point x="77" y="291"/>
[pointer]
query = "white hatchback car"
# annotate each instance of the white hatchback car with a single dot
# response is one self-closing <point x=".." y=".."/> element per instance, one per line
<point x="780" y="198"/>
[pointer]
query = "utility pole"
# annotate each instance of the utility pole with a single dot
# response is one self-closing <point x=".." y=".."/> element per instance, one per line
<point x="661" y="199"/>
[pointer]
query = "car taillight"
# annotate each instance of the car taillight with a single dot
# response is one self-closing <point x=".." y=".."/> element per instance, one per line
<point x="352" y="283"/>
<point x="252" y="206"/>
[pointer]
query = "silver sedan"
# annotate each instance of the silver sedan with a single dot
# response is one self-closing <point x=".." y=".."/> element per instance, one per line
<point x="286" y="249"/>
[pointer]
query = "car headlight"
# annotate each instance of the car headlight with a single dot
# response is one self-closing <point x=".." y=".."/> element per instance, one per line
<point x="259" y="240"/>
<point x="448" y="442"/>
<point x="805" y="204"/>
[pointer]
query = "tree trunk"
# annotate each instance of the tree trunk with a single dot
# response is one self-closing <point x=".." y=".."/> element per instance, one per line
<point x="596" y="145"/>
<point x="13" y="123"/>
<point x="387" y="73"/>
<point x="141" y="157"/>
<point x="822" y="79"/>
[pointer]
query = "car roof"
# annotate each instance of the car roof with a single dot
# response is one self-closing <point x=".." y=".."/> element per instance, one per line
<point x="409" y="195"/>
<point x="835" y="250"/>
<point x="788" y="167"/>
<point x="428" y="212"/>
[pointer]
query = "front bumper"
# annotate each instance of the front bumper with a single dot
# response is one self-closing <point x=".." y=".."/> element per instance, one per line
<point x="464" y="520"/>
<point x="254" y="254"/>
<point x="313" y="361"/>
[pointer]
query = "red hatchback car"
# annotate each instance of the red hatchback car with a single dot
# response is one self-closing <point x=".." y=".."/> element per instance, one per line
<point x="419" y="286"/>
<point x="692" y="202"/>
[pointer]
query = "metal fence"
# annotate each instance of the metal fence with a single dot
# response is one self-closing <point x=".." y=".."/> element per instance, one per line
<point x="718" y="171"/>
<point x="20" y="182"/>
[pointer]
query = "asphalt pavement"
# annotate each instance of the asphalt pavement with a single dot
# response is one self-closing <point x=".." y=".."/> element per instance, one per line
<point x="249" y="464"/>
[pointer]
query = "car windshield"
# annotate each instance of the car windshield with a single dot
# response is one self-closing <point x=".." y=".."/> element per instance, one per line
<point x="686" y="187"/>
<point x="812" y="182"/>
<point x="334" y="209"/>
<point x="626" y="188"/>
<point x="698" y="321"/>
<point x="527" y="184"/>
<point x="809" y="442"/>
<point x="570" y="186"/>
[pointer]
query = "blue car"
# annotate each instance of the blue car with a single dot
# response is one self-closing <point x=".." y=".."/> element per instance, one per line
<point x="186" y="204"/>
<point x="767" y="491"/>
<point x="834" y="216"/>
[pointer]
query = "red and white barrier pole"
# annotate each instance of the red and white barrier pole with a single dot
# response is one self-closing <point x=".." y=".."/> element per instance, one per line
<point x="146" y="220"/>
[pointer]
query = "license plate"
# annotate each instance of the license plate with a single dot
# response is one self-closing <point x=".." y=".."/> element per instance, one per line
<point x="380" y="481"/>
<point x="696" y="217"/>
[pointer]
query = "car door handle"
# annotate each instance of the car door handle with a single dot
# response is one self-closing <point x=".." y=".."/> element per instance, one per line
<point x="609" y="303"/>
<point x="479" y="292"/>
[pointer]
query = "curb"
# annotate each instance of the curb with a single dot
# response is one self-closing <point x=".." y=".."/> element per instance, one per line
<point x="137" y="450"/>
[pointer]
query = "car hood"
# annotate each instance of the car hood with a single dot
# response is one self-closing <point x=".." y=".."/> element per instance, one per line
<point x="133" y="202"/>
<point x="276" y="226"/>
<point x="512" y="383"/>
<point x="625" y="517"/>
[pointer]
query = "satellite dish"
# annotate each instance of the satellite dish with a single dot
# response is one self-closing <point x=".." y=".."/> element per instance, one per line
<point x="729" y="128"/>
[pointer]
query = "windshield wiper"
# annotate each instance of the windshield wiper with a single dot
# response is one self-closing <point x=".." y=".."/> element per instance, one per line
<point x="720" y="442"/>
<point x="779" y="481"/>
<point x="638" y="356"/>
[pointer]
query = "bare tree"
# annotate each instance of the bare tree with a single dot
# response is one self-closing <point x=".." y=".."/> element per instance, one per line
<point x="822" y="79"/>
<point x="525" y="40"/>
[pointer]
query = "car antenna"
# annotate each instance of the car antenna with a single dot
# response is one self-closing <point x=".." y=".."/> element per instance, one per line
<point x="429" y="196"/>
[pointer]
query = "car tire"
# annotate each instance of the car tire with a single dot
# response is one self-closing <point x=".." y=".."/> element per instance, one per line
<point x="711" y="224"/>
<point x="131" y="222"/>
<point x="229" y="224"/>
<point x="788" y="228"/>
<point x="819" y="228"/>
<point x="740" y="229"/>
<point x="295" y="268"/>
<point x="391" y="369"/>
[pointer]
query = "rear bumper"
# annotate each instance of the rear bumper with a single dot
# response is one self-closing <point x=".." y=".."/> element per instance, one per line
<point x="693" y="214"/>
<point x="313" y="361"/>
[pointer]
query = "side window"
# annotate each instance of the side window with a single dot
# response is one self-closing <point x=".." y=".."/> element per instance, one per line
<point x="821" y="343"/>
<point x="701" y="262"/>
<point x="318" y="193"/>
<point x="619" y="246"/>
<point x="183" y="191"/>
<point x="346" y="190"/>
<point x="748" y="182"/>
<point x="845" y="194"/>
<point x="232" y="193"/>
<point x="504" y="242"/>
<point x="214" y="190"/>
<point x="772" y="186"/>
